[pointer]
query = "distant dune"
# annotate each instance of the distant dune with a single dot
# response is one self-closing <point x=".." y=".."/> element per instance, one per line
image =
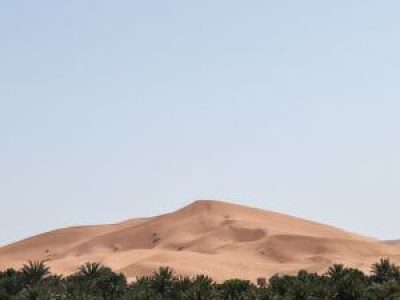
<point x="216" y="238"/>
<point x="393" y="242"/>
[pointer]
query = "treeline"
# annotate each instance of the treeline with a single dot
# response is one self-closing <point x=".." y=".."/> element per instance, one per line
<point x="94" y="281"/>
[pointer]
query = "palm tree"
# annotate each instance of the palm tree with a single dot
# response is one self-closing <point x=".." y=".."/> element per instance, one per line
<point x="236" y="288"/>
<point x="11" y="282"/>
<point x="34" y="271"/>
<point x="202" y="288"/>
<point x="100" y="279"/>
<point x="385" y="270"/>
<point x="163" y="281"/>
<point x="30" y="293"/>
<point x="351" y="284"/>
<point x="91" y="270"/>
<point x="388" y="290"/>
<point x="335" y="271"/>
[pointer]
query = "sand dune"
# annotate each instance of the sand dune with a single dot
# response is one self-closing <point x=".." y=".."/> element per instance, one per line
<point x="220" y="239"/>
<point x="393" y="242"/>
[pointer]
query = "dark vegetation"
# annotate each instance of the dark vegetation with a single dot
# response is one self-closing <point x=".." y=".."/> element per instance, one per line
<point x="94" y="281"/>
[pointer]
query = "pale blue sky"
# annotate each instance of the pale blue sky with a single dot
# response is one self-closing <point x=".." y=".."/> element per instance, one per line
<point x="115" y="109"/>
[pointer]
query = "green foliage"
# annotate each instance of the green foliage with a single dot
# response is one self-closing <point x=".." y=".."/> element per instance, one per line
<point x="237" y="289"/>
<point x="96" y="280"/>
<point x="385" y="270"/>
<point x="34" y="272"/>
<point x="201" y="288"/>
<point x="93" y="281"/>
<point x="11" y="282"/>
<point x="163" y="282"/>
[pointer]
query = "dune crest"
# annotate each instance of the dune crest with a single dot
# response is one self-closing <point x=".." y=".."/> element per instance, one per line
<point x="216" y="238"/>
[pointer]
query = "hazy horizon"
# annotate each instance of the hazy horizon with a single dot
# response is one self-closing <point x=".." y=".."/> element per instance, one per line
<point x="110" y="111"/>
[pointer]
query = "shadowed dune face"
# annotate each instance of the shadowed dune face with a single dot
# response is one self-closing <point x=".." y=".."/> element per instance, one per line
<point x="216" y="238"/>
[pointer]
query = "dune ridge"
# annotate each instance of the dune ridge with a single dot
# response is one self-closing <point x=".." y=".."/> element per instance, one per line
<point x="217" y="238"/>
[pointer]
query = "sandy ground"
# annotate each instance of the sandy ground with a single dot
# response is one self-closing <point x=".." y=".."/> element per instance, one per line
<point x="216" y="238"/>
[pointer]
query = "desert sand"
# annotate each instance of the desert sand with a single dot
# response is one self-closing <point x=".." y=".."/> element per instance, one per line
<point x="216" y="238"/>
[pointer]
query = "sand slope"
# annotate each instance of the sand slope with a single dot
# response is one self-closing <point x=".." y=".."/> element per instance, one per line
<point x="217" y="238"/>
